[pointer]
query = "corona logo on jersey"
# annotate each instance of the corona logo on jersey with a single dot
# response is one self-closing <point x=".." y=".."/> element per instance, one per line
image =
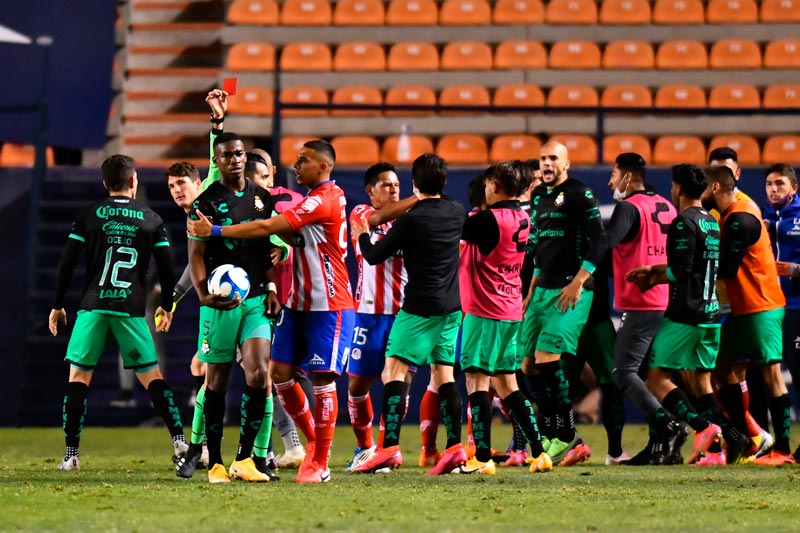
<point x="105" y="211"/>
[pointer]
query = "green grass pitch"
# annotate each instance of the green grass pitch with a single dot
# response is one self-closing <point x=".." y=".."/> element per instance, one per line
<point x="127" y="483"/>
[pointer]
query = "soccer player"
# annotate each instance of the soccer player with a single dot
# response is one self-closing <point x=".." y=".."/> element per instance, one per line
<point x="780" y="214"/>
<point x="688" y="336"/>
<point x="226" y="325"/>
<point x="637" y="235"/>
<point x="491" y="296"/>
<point x="426" y="327"/>
<point x="120" y="235"/>
<point x="753" y="331"/>
<point x="315" y="328"/>
<point x="568" y="241"/>
<point x="378" y="298"/>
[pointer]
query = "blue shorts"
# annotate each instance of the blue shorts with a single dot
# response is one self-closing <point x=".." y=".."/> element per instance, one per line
<point x="314" y="341"/>
<point x="370" y="336"/>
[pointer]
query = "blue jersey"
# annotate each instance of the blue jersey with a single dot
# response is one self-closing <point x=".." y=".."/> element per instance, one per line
<point x="784" y="232"/>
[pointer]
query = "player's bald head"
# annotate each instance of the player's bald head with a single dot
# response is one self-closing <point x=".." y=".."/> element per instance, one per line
<point x="553" y="162"/>
<point x="263" y="154"/>
<point x="556" y="148"/>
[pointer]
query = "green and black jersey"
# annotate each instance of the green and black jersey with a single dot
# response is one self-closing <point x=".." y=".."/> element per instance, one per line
<point x="120" y="235"/>
<point x="567" y="233"/>
<point x="226" y="208"/>
<point x="693" y="246"/>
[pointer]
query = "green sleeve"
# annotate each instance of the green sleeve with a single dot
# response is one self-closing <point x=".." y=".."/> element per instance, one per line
<point x="277" y="241"/>
<point x="213" y="169"/>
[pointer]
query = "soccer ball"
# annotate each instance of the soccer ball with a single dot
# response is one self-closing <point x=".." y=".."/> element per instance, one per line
<point x="229" y="281"/>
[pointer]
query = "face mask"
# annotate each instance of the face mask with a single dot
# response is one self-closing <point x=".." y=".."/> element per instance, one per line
<point x="619" y="195"/>
<point x="786" y="200"/>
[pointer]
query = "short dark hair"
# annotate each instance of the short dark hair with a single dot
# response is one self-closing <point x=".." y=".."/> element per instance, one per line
<point x="225" y="137"/>
<point x="533" y="164"/>
<point x="722" y="175"/>
<point x="184" y="168"/>
<point x="476" y="191"/>
<point x="429" y="174"/>
<point x="722" y="153"/>
<point x="784" y="170"/>
<point x="633" y="163"/>
<point x="691" y="179"/>
<point x="322" y="146"/>
<point x="117" y="170"/>
<point x="509" y="175"/>
<point x="527" y="170"/>
<point x="372" y="173"/>
<point x="250" y="167"/>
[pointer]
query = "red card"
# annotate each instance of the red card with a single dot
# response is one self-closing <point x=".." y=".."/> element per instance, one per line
<point x="229" y="85"/>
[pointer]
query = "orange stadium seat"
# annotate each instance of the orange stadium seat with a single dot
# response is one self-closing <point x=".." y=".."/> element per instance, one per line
<point x="463" y="95"/>
<point x="675" y="149"/>
<point x="251" y="57"/>
<point x="520" y="55"/>
<point x="22" y="155"/>
<point x="735" y="54"/>
<point x="466" y="55"/>
<point x="465" y="13"/>
<point x="253" y="12"/>
<point x="413" y="55"/>
<point x="418" y="145"/>
<point x="356" y="95"/>
<point x="734" y="95"/>
<point x="746" y="147"/>
<point x="571" y="12"/>
<point x="518" y="95"/>
<point x="625" y="12"/>
<point x="359" y="13"/>
<point x="613" y="145"/>
<point x="582" y="148"/>
<point x="412" y="13"/>
<point x="410" y="95"/>
<point x="306" y="13"/>
<point x="356" y="150"/>
<point x="306" y="57"/>
<point x="782" y="149"/>
<point x="359" y="57"/>
<point x="251" y="101"/>
<point x="628" y="55"/>
<point x="626" y="96"/>
<point x="782" y="95"/>
<point x="680" y="95"/>
<point x="681" y="55"/>
<point x="520" y="146"/>
<point x="574" y="55"/>
<point x="290" y="145"/>
<point x="518" y="12"/>
<point x="678" y="12"/>
<point x="573" y="96"/>
<point x="304" y="95"/>
<point x="732" y="12"/>
<point x="783" y="53"/>
<point x="463" y="149"/>
<point x="780" y="11"/>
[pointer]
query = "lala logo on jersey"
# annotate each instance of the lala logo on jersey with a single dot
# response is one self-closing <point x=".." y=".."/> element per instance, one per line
<point x="310" y="204"/>
<point x="560" y="199"/>
<point x="259" y="204"/>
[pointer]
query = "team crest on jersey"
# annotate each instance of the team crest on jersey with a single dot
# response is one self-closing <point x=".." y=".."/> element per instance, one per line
<point x="259" y="204"/>
<point x="559" y="199"/>
<point x="310" y="204"/>
<point x="205" y="348"/>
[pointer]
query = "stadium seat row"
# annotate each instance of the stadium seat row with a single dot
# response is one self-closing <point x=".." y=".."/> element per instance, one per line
<point x="470" y="149"/>
<point x="516" y="54"/>
<point x="21" y="155"/>
<point x="260" y="100"/>
<point x="482" y="12"/>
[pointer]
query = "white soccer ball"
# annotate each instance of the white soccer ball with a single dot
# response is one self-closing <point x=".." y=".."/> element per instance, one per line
<point x="229" y="281"/>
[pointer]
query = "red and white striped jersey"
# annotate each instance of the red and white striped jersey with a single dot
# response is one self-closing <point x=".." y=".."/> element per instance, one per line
<point x="379" y="290"/>
<point x="320" y="279"/>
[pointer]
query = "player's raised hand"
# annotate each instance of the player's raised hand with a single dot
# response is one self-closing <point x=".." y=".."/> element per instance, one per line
<point x="56" y="316"/>
<point x="163" y="319"/>
<point x="200" y="227"/>
<point x="358" y="226"/>
<point x="217" y="100"/>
